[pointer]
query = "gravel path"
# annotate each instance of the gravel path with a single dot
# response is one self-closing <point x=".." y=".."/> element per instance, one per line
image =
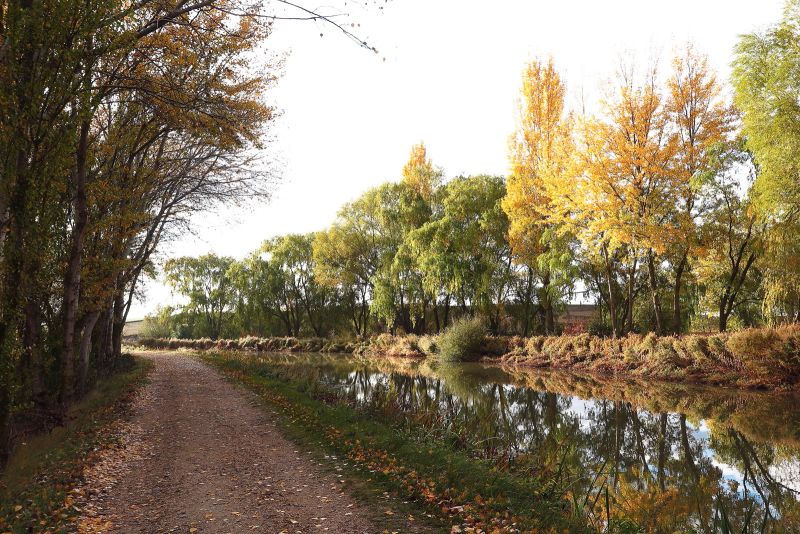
<point x="201" y="456"/>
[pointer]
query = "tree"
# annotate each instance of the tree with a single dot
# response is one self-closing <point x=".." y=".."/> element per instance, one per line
<point x="539" y="153"/>
<point x="464" y="250"/>
<point x="400" y="297"/>
<point x="291" y="256"/>
<point x="733" y="238"/>
<point x="701" y="122"/>
<point x="419" y="173"/>
<point x="620" y="205"/>
<point x="99" y="101"/>
<point x="766" y="80"/>
<point x="348" y="255"/>
<point x="206" y="283"/>
<point x="766" y="90"/>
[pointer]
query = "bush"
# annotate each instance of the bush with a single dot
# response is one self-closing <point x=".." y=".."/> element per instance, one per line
<point x="428" y="345"/>
<point x="158" y="325"/>
<point x="600" y="329"/>
<point x="462" y="341"/>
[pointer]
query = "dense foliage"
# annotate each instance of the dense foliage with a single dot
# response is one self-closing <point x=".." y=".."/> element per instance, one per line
<point x="117" y="121"/>
<point x="669" y="207"/>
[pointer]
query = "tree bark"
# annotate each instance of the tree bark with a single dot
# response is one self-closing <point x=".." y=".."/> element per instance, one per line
<point x="30" y="346"/>
<point x="72" y="280"/>
<point x="117" y="327"/>
<point x="547" y="305"/>
<point x="677" y="320"/>
<point x="85" y="351"/>
<point x="630" y="291"/>
<point x="612" y="301"/>
<point x="653" y="276"/>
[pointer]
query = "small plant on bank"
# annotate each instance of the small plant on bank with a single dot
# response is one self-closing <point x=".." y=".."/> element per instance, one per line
<point x="462" y="341"/>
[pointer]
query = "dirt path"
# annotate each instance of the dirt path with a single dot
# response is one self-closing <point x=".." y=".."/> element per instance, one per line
<point x="202" y="457"/>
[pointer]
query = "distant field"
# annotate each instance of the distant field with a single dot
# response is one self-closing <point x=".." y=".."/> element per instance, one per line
<point x="132" y="329"/>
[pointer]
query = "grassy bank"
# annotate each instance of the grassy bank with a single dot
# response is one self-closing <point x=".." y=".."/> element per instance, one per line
<point x="35" y="485"/>
<point x="443" y="481"/>
<point x="765" y="358"/>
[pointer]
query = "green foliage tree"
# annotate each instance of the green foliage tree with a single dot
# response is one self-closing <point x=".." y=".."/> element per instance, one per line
<point x="766" y="80"/>
<point x="206" y="283"/>
<point x="464" y="250"/>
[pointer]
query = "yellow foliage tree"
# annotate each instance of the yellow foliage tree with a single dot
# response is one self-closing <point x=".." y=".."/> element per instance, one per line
<point x="623" y="196"/>
<point x="420" y="174"/>
<point x="538" y="155"/>
<point x="701" y="121"/>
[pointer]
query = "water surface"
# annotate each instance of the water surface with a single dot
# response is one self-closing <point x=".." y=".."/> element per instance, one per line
<point x="671" y="457"/>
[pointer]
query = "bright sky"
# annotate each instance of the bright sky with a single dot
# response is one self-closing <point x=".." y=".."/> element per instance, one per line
<point x="447" y="73"/>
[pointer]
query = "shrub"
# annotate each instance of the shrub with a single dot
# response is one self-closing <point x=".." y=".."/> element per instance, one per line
<point x="158" y="325"/>
<point x="428" y="345"/>
<point x="462" y="341"/>
<point x="600" y="329"/>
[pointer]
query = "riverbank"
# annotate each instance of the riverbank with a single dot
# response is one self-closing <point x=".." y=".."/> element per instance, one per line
<point x="765" y="358"/>
<point x="676" y="466"/>
<point x="436" y="472"/>
<point x="37" y="487"/>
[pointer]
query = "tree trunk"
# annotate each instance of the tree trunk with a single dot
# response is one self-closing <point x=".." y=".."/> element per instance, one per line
<point x="723" y="316"/>
<point x="13" y="258"/>
<point x="85" y="351"/>
<point x="612" y="301"/>
<point x="652" y="275"/>
<point x="547" y="305"/>
<point x="677" y="320"/>
<point x="72" y="280"/>
<point x="30" y="346"/>
<point x="117" y="328"/>
<point x="631" y="293"/>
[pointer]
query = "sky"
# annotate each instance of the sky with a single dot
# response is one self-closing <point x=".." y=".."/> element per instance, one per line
<point x="447" y="73"/>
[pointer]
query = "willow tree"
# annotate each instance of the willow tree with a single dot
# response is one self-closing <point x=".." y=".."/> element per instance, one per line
<point x="538" y="154"/>
<point x="766" y="79"/>
<point x="349" y="254"/>
<point x="464" y="250"/>
<point x="206" y="283"/>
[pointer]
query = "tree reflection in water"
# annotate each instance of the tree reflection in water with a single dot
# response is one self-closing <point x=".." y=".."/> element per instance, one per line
<point x="668" y="457"/>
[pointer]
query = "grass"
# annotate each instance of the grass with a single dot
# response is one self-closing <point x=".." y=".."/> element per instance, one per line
<point x="765" y="358"/>
<point x="448" y="485"/>
<point x="35" y="485"/>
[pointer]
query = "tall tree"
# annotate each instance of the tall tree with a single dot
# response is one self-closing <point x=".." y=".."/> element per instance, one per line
<point x="624" y="195"/>
<point x="733" y="237"/>
<point x="766" y="79"/>
<point x="701" y="121"/>
<point x="465" y="250"/>
<point x="538" y="153"/>
<point x="206" y="283"/>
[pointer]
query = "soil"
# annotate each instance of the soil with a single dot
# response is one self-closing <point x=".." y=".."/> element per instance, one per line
<point x="201" y="455"/>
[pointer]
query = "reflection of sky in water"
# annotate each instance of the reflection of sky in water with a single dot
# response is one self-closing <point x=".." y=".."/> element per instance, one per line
<point x="729" y="472"/>
<point x="474" y="396"/>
